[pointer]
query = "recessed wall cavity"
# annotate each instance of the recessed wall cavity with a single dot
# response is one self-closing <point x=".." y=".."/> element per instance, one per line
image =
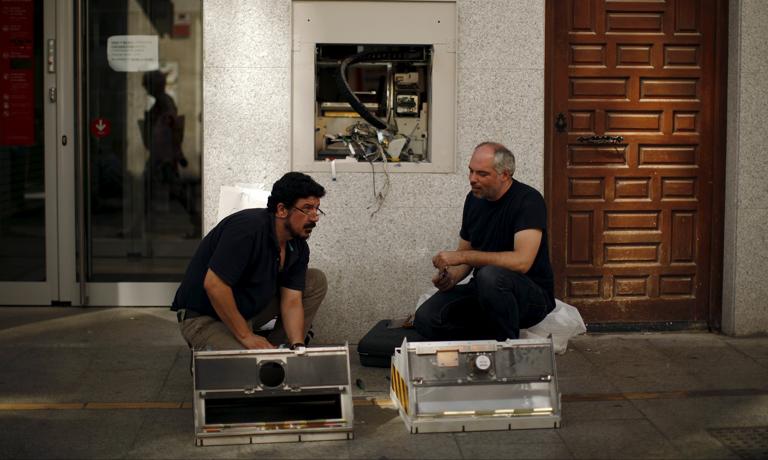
<point x="374" y="82"/>
<point x="364" y="90"/>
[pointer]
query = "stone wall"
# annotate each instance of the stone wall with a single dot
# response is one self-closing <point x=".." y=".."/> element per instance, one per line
<point x="745" y="290"/>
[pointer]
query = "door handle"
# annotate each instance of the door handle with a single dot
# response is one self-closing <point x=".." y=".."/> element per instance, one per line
<point x="560" y="124"/>
<point x="599" y="140"/>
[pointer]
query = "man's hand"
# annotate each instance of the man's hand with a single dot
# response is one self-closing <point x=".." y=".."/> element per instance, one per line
<point x="445" y="259"/>
<point x="443" y="281"/>
<point x="451" y="266"/>
<point x="256" y="342"/>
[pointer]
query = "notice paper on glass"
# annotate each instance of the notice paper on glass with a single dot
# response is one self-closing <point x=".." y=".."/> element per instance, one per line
<point x="132" y="53"/>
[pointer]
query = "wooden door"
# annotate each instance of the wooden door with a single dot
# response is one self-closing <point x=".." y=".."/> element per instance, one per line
<point x="633" y="176"/>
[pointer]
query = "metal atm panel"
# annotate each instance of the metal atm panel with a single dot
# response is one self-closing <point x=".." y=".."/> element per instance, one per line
<point x="261" y="396"/>
<point x="476" y="385"/>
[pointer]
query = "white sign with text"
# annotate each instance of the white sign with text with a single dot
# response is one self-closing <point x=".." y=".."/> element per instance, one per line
<point x="132" y="53"/>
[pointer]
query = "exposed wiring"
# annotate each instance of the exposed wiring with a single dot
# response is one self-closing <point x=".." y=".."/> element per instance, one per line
<point x="367" y="144"/>
<point x="382" y="194"/>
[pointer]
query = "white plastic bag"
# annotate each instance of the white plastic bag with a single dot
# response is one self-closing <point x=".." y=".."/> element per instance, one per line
<point x="240" y="196"/>
<point x="563" y="323"/>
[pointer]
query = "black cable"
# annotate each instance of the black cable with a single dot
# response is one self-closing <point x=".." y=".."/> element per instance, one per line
<point x="349" y="95"/>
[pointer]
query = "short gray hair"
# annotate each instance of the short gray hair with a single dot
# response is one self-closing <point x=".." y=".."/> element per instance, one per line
<point x="503" y="158"/>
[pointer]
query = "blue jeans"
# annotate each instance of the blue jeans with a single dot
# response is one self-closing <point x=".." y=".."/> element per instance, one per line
<point x="495" y="304"/>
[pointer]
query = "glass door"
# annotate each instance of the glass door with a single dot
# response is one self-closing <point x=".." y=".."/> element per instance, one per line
<point x="141" y="147"/>
<point x="30" y="146"/>
<point x="100" y="149"/>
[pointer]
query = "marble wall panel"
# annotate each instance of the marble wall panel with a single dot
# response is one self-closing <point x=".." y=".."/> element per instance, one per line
<point x="753" y="158"/>
<point x="751" y="290"/>
<point x="504" y="105"/>
<point x="746" y="199"/>
<point x="357" y="189"/>
<point x="246" y="129"/>
<point x="487" y="26"/>
<point x="252" y="33"/>
<point x="730" y="216"/>
<point x="377" y="267"/>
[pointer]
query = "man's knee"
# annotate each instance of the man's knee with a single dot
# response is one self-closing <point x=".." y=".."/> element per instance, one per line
<point x="315" y="288"/>
<point x="496" y="286"/>
<point x="205" y="332"/>
<point x="423" y="323"/>
<point x="427" y="316"/>
<point x="421" y="318"/>
<point x="316" y="283"/>
<point x="490" y="277"/>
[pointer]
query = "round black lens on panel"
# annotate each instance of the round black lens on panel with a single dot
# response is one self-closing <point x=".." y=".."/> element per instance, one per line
<point x="271" y="374"/>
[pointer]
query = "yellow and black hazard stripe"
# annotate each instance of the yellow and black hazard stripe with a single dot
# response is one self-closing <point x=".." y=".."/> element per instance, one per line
<point x="399" y="388"/>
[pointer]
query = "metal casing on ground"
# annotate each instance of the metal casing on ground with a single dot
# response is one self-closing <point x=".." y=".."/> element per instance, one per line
<point x="280" y="395"/>
<point x="476" y="385"/>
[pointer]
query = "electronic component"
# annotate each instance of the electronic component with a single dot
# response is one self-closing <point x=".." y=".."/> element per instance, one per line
<point x="369" y="95"/>
<point x="279" y="395"/>
<point x="476" y="385"/>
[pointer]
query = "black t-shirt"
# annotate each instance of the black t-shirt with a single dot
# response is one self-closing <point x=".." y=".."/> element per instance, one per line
<point x="243" y="251"/>
<point x="491" y="226"/>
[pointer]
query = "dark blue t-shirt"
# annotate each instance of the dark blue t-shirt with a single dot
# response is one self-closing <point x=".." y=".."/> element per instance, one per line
<point x="243" y="251"/>
<point x="491" y="226"/>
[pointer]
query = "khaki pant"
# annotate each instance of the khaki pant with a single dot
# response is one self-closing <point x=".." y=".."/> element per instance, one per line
<point x="205" y="332"/>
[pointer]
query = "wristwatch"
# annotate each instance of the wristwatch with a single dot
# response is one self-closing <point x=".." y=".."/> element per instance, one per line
<point x="297" y="345"/>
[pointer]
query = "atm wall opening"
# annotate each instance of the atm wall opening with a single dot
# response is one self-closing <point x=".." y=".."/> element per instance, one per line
<point x="372" y="102"/>
<point x="373" y="84"/>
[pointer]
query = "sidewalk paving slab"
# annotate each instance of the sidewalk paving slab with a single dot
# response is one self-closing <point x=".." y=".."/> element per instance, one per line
<point x="632" y="395"/>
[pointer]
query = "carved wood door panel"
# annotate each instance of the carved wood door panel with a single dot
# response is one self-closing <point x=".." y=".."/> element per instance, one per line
<point x="631" y="172"/>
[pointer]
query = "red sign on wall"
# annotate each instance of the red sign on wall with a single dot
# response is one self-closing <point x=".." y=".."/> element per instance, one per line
<point x="17" y="77"/>
<point x="181" y="25"/>
<point x="100" y="127"/>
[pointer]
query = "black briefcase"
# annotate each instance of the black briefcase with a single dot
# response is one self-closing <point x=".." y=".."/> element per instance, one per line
<point x="378" y="345"/>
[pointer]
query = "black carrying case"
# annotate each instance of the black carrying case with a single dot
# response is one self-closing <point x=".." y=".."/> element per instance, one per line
<point x="377" y="346"/>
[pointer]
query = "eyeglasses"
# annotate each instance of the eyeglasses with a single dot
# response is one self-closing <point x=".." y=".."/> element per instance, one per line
<point x="311" y="211"/>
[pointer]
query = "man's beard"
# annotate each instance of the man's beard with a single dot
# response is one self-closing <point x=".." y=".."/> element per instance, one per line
<point x="480" y="193"/>
<point x="304" y="236"/>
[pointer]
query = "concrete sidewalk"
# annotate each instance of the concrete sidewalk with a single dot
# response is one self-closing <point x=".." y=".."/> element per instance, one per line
<point x="115" y="383"/>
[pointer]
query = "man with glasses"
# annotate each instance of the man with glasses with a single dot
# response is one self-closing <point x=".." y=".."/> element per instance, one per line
<point x="251" y="268"/>
<point x="503" y="238"/>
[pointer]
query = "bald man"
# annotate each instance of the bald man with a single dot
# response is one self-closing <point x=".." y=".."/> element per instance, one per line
<point x="503" y="238"/>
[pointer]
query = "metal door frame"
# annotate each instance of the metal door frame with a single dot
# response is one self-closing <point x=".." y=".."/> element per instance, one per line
<point x="65" y="166"/>
<point x="65" y="172"/>
<point x="58" y="142"/>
